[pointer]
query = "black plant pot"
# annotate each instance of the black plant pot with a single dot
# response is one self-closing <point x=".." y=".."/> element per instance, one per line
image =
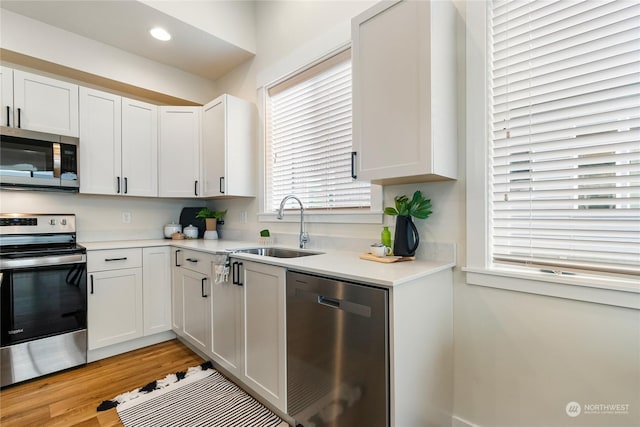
<point x="406" y="237"/>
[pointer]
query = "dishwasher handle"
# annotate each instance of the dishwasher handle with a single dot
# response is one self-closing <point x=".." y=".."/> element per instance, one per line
<point x="330" y="302"/>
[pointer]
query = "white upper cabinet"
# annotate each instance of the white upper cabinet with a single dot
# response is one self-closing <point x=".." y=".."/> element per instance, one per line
<point x="6" y="95"/>
<point x="100" y="142"/>
<point x="139" y="148"/>
<point x="179" y="157"/>
<point x="118" y="145"/>
<point x="228" y="147"/>
<point x="404" y="92"/>
<point x="43" y="104"/>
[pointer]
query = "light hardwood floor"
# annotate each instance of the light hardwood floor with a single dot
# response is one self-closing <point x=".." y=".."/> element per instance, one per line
<point x="70" y="398"/>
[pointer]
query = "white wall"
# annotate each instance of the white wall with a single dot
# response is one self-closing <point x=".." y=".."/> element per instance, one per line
<point x="521" y="358"/>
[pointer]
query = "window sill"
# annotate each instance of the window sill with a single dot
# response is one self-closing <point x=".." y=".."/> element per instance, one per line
<point x="601" y="290"/>
<point x="327" y="217"/>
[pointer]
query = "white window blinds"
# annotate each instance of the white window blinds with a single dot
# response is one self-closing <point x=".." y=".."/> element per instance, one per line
<point x="308" y="139"/>
<point x="565" y="138"/>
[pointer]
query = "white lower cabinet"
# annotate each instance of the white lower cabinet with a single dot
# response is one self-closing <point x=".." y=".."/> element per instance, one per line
<point x="129" y="294"/>
<point x="263" y="305"/>
<point x="177" y="320"/>
<point x="226" y="344"/>
<point x="114" y="306"/>
<point x="191" y="294"/>
<point x="196" y="294"/>
<point x="156" y="289"/>
<point x="243" y="318"/>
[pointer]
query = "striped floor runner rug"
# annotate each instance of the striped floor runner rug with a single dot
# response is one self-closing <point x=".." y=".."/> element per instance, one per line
<point x="205" y="399"/>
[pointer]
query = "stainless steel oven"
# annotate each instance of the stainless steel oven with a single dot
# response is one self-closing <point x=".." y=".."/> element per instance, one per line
<point x="43" y="296"/>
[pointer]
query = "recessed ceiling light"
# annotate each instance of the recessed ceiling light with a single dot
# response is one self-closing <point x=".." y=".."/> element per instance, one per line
<point x="160" y="34"/>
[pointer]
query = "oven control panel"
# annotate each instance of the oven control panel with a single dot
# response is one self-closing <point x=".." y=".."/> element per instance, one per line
<point x="37" y="223"/>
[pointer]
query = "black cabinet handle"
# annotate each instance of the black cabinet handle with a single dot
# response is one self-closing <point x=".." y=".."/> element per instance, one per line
<point x="118" y="185"/>
<point x="125" y="185"/>
<point x="235" y="270"/>
<point x="8" y="116"/>
<point x="177" y="250"/>
<point x="192" y="259"/>
<point x="353" y="164"/>
<point x="234" y="280"/>
<point x="204" y="279"/>
<point x="116" y="259"/>
<point x="19" y="118"/>
<point x="222" y="184"/>
<point x="91" y="277"/>
<point x="195" y="188"/>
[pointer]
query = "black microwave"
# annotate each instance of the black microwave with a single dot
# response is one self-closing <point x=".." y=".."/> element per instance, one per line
<point x="36" y="160"/>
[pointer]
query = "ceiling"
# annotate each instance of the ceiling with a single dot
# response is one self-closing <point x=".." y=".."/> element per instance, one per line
<point x="125" y="25"/>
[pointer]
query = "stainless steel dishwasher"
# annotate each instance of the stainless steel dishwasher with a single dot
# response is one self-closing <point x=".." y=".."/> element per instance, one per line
<point x="337" y="352"/>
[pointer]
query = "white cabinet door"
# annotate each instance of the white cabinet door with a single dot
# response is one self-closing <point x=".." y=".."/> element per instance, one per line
<point x="100" y="142"/>
<point x="226" y="345"/>
<point x="264" y="325"/>
<point x="45" y="105"/>
<point x="156" y="285"/>
<point x="114" y="308"/>
<point x="118" y="145"/>
<point x="177" y="313"/>
<point x="404" y="92"/>
<point x="6" y="96"/>
<point x="139" y="148"/>
<point x="179" y="166"/>
<point x="229" y="147"/>
<point x="213" y="148"/>
<point x="196" y="297"/>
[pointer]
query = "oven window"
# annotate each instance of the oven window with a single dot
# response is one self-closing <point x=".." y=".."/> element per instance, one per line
<point x="41" y="302"/>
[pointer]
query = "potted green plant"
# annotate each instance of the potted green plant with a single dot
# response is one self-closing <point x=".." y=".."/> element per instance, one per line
<point x="210" y="217"/>
<point x="406" y="235"/>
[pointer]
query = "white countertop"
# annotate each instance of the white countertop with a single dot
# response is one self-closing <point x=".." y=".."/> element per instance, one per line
<point x="333" y="263"/>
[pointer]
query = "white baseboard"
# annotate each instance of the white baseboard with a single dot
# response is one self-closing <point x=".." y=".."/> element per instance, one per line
<point x="112" y="350"/>
<point x="459" y="422"/>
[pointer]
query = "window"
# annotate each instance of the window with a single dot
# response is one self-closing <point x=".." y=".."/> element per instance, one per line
<point x="564" y="135"/>
<point x="308" y="139"/>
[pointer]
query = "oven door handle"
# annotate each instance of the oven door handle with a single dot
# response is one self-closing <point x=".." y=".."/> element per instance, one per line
<point x="43" y="261"/>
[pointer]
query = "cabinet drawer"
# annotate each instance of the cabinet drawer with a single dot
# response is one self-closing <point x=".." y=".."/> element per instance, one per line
<point x="194" y="261"/>
<point x="114" y="259"/>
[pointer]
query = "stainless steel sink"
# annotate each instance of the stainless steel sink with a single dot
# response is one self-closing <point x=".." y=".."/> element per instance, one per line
<point x="278" y="252"/>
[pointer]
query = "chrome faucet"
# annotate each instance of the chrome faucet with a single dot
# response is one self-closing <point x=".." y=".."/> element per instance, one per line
<point x="304" y="237"/>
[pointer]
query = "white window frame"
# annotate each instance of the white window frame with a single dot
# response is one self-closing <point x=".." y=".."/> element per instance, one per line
<point x="304" y="58"/>
<point x="616" y="291"/>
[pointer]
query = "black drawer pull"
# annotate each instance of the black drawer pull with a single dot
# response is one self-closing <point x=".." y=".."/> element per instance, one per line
<point x="192" y="259"/>
<point x="116" y="259"/>
<point x="235" y="273"/>
<point x="204" y="279"/>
